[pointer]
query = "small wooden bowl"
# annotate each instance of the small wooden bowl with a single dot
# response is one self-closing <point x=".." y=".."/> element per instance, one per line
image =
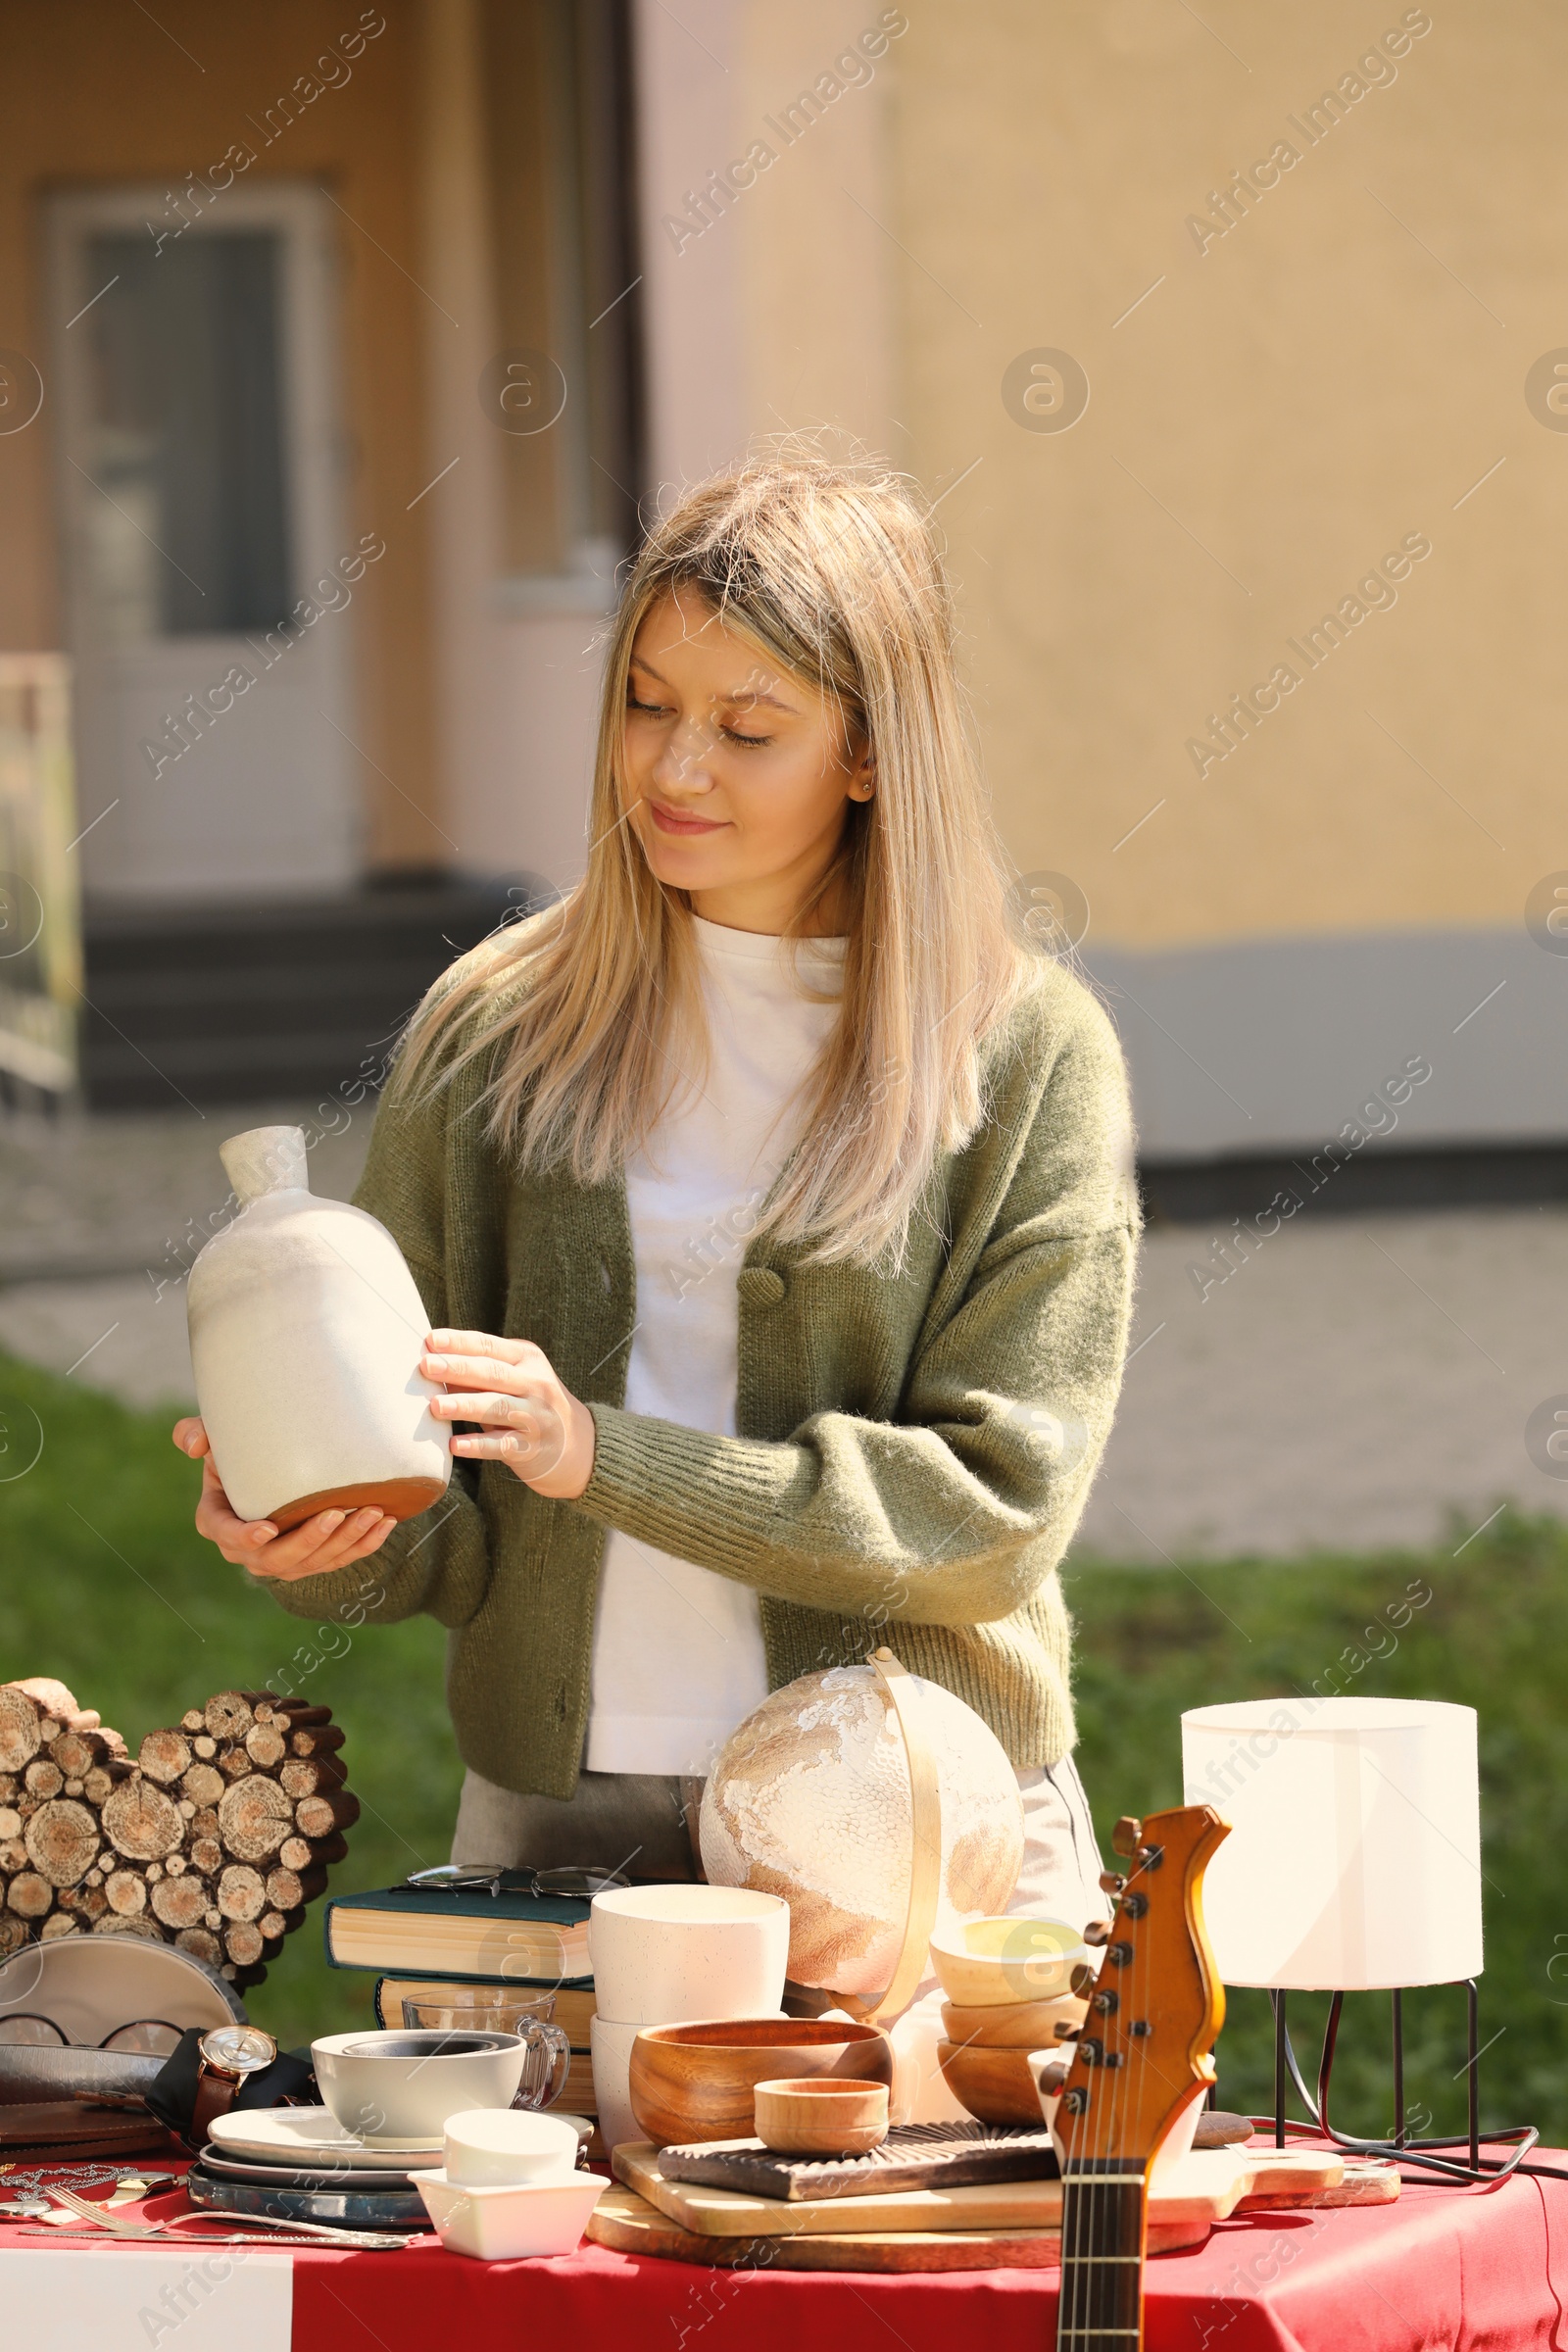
<point x="996" y="1963"/>
<point x="1017" y="2025"/>
<point x="996" y="2085"/>
<point x="698" y="2082"/>
<point x="821" y="2117"/>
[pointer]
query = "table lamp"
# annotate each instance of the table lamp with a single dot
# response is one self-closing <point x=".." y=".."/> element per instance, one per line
<point x="1354" y="1863"/>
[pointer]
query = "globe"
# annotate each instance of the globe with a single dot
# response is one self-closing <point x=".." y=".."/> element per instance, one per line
<point x="810" y="1798"/>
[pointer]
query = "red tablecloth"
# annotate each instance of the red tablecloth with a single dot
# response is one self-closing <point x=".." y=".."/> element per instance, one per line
<point x="1471" y="2271"/>
<point x="1467" y="2270"/>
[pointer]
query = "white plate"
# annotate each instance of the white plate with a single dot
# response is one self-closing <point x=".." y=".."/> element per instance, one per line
<point x="294" y="2134"/>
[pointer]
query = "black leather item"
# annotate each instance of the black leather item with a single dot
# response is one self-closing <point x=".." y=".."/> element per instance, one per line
<point x="173" y="2095"/>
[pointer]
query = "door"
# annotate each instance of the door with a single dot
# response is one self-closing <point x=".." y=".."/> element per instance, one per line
<point x="209" y="586"/>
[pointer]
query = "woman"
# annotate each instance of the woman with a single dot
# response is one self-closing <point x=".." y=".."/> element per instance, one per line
<point x="774" y="1214"/>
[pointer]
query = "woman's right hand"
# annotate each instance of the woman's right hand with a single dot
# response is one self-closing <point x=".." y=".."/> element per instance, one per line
<point x="331" y="1540"/>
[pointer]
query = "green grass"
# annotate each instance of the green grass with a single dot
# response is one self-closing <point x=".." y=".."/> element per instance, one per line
<point x="104" y="1582"/>
<point x="1495" y="1637"/>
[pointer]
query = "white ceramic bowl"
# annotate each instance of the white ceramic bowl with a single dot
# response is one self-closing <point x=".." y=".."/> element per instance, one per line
<point x="662" y="1955"/>
<point x="498" y="2225"/>
<point x="498" y="2147"/>
<point x="402" y="2087"/>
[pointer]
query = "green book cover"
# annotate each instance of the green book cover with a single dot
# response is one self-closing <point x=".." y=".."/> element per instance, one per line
<point x="512" y="1907"/>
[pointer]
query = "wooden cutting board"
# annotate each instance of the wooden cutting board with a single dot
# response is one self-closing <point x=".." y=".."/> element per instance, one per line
<point x="1205" y="2188"/>
<point x="1367" y="2182"/>
<point x="631" y="2225"/>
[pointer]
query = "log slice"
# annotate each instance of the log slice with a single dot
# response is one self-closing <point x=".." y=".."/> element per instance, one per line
<point x="143" y="1821"/>
<point x="19" y="1737"/>
<point x="62" y="1841"/>
<point x="254" y="1817"/>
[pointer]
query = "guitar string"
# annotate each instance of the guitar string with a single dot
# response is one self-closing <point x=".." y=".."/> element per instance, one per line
<point x="1132" y="2001"/>
<point x="1099" y="2198"/>
<point x="1098" y="2194"/>
<point x="1077" y="2212"/>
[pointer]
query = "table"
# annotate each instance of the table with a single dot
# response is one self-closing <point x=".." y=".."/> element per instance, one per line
<point x="1463" y="2269"/>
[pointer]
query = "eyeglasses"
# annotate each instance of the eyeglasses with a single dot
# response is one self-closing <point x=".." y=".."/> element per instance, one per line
<point x="149" y="2036"/>
<point x="450" y="1878"/>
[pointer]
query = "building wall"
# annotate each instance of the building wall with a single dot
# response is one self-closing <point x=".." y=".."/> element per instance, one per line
<point x="1342" y="371"/>
<point x="97" y="93"/>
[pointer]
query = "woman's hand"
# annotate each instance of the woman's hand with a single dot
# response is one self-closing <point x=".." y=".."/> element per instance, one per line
<point x="331" y="1540"/>
<point x="530" y="1421"/>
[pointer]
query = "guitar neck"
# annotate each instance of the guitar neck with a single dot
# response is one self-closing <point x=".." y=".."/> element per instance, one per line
<point x="1103" y="2204"/>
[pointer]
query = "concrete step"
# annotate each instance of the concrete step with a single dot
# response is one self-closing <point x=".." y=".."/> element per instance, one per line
<point x="229" y="1002"/>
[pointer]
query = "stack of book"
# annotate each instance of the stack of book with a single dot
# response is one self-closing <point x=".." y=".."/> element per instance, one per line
<point x="423" y="1940"/>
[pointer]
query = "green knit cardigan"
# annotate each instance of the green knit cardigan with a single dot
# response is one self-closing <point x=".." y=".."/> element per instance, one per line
<point x="912" y="1454"/>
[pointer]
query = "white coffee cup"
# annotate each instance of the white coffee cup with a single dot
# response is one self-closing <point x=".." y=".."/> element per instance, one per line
<point x="665" y="1955"/>
<point x="395" y="2088"/>
<point x="489" y="2147"/>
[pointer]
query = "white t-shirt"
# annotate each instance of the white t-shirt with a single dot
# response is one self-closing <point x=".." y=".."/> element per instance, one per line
<point x="677" y="1658"/>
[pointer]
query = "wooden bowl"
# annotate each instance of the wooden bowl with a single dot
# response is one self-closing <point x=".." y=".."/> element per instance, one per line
<point x="995" y="1962"/>
<point x="1018" y="2026"/>
<point x="698" y="2082"/>
<point x="822" y="2117"/>
<point x="996" y="2085"/>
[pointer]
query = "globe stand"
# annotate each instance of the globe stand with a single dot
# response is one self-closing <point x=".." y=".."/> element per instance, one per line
<point x="925" y="1859"/>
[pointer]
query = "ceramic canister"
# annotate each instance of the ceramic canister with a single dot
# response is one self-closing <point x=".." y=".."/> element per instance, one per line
<point x="306" y="1328"/>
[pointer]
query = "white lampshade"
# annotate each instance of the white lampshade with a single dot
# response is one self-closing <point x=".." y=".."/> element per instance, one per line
<point x="1353" y="1861"/>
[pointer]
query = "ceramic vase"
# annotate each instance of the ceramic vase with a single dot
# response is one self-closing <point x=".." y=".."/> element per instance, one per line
<point x="305" y="1330"/>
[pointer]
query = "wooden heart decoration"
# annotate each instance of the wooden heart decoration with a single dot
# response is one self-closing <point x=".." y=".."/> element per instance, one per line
<point x="214" y="1836"/>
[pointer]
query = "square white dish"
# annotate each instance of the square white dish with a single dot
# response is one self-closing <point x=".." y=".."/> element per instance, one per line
<point x="502" y="2224"/>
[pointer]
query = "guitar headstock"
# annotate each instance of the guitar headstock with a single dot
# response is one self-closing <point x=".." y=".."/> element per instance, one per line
<point x="1157" y="2002"/>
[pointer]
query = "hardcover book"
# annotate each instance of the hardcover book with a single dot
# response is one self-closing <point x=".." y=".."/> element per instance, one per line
<point x="513" y="1937"/>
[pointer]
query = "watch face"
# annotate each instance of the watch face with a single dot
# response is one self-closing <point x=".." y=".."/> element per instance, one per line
<point x="238" y="2049"/>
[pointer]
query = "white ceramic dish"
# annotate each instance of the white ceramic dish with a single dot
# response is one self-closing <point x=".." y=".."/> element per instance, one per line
<point x="402" y="2086"/>
<point x="662" y="1955"/>
<point x="491" y="2147"/>
<point x="304" y="2135"/>
<point x="500" y="2224"/>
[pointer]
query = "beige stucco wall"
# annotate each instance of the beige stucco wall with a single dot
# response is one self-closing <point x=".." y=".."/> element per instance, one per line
<point x="1278" y="412"/>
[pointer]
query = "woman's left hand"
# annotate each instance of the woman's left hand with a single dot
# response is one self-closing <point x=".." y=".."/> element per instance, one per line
<point x="531" y="1420"/>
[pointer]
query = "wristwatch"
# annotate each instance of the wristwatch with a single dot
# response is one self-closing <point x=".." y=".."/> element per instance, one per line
<point x="227" y="2056"/>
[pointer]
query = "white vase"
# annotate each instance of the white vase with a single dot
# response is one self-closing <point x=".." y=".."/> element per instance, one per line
<point x="305" y="1330"/>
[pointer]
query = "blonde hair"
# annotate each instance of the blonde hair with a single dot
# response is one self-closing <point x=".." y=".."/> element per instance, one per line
<point x="831" y="569"/>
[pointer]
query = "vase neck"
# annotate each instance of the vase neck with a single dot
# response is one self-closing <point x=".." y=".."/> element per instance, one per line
<point x="266" y="1160"/>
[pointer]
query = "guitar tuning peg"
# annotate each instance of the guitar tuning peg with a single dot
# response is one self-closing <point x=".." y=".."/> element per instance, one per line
<point x="1098" y="1932"/>
<point x="1064" y="2032"/>
<point x="1111" y="1882"/>
<point x="1052" y="2077"/>
<point x="1127" y="1835"/>
<point x="1083" y="1979"/>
